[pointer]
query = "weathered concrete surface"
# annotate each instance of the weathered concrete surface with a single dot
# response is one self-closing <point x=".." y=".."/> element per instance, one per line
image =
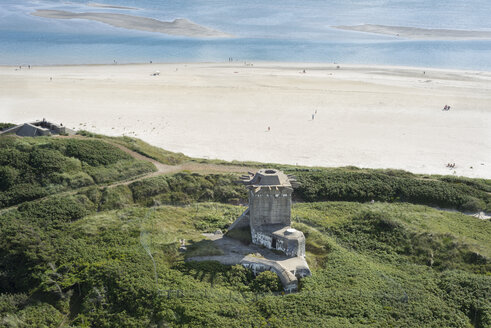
<point x="242" y="221"/>
<point x="282" y="238"/>
<point x="270" y="201"/>
<point x="38" y="128"/>
<point x="258" y="259"/>
<point x="270" y="205"/>
<point x="269" y="219"/>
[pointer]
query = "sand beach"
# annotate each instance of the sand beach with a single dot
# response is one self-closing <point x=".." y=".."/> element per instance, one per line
<point x="306" y="114"/>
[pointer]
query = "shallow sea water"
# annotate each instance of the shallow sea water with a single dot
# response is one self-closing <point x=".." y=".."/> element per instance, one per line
<point x="285" y="30"/>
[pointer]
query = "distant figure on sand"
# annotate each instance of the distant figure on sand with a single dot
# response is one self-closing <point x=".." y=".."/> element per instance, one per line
<point x="269" y="128"/>
<point x="446" y="107"/>
<point x="313" y="116"/>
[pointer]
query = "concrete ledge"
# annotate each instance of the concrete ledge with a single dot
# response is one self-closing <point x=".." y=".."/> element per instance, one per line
<point x="241" y="222"/>
<point x="256" y="264"/>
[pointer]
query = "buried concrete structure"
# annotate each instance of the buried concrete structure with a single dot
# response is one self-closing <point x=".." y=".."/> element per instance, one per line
<point x="269" y="220"/>
<point x="276" y="246"/>
<point x="38" y="129"/>
<point x="269" y="212"/>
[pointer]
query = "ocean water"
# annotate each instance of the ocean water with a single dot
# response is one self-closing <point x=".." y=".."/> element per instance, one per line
<point x="274" y="30"/>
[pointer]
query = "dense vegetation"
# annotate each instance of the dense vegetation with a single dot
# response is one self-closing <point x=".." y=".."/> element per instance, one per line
<point x="108" y="256"/>
<point x="4" y="126"/>
<point x="352" y="184"/>
<point x="32" y="168"/>
<point x="141" y="147"/>
<point x="185" y="188"/>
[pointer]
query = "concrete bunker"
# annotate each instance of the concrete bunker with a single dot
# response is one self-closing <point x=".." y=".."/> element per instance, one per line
<point x="38" y="129"/>
<point x="269" y="220"/>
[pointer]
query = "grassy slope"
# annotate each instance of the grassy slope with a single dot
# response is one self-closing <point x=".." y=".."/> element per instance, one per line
<point x="358" y="278"/>
<point x="141" y="147"/>
<point x="84" y="260"/>
<point x="32" y="168"/>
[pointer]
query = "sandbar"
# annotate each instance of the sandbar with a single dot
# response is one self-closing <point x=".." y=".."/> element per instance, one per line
<point x="180" y="27"/>
<point x="101" y="5"/>
<point x="365" y="116"/>
<point x="419" y="33"/>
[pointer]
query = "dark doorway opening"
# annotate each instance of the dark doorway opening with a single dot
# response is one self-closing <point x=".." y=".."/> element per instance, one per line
<point x="273" y="243"/>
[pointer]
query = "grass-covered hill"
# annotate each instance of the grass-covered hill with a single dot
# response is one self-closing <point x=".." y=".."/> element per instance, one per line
<point x="89" y="237"/>
<point x="31" y="168"/>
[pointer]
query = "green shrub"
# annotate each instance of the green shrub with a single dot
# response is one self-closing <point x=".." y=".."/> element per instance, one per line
<point x="68" y="208"/>
<point x="12" y="302"/>
<point x="473" y="205"/>
<point x="22" y="192"/>
<point x="94" y="194"/>
<point x="32" y="168"/>
<point x="8" y="176"/>
<point x="266" y="282"/>
<point x="40" y="315"/>
<point x="143" y="190"/>
<point x="5" y="126"/>
<point x="94" y="152"/>
<point x="72" y="180"/>
<point x="184" y="188"/>
<point x="471" y="293"/>
<point x="12" y="157"/>
<point x="363" y="186"/>
<point x="119" y="171"/>
<point x="115" y="198"/>
<point x="47" y="161"/>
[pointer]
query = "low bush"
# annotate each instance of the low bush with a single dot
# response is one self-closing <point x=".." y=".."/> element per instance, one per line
<point x="55" y="209"/>
<point x="184" y="188"/>
<point x="363" y="186"/>
<point x="32" y="168"/>
<point x="141" y="147"/>
<point x="5" y="126"/>
<point x="115" y="198"/>
<point x="94" y="152"/>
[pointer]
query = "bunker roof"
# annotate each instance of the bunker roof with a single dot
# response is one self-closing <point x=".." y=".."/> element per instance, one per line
<point x="268" y="178"/>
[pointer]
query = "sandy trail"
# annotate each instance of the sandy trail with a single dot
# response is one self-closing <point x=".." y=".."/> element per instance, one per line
<point x="376" y="117"/>
<point x="202" y="168"/>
